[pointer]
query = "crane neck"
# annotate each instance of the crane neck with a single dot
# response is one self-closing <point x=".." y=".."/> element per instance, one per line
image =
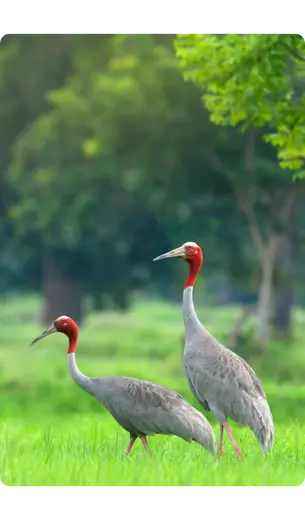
<point x="192" y="324"/>
<point x="80" y="379"/>
<point x="189" y="314"/>
<point x="195" y="264"/>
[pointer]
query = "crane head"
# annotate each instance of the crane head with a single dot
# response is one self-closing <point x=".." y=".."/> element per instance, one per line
<point x="189" y="251"/>
<point x="62" y="324"/>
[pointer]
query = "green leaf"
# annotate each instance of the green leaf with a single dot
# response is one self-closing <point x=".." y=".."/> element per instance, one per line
<point x="92" y="147"/>
<point x="251" y="80"/>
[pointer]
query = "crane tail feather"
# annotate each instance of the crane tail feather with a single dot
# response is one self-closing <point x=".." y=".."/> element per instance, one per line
<point x="203" y="433"/>
<point x="263" y="427"/>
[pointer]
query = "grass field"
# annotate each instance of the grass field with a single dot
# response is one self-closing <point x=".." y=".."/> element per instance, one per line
<point x="89" y="450"/>
<point x="53" y="433"/>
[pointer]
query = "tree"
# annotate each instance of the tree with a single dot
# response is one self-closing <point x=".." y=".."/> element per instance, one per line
<point x="252" y="80"/>
<point x="243" y="89"/>
<point x="31" y="63"/>
<point x="118" y="161"/>
<point x="103" y="165"/>
<point x="103" y="161"/>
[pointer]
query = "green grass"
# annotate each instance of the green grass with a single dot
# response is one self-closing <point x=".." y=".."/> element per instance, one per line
<point x="89" y="450"/>
<point x="53" y="433"/>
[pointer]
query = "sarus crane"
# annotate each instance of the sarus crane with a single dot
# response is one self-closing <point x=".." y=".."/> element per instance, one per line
<point x="140" y="407"/>
<point x="221" y="381"/>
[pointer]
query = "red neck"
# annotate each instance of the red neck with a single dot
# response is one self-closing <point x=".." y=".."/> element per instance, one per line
<point x="73" y="336"/>
<point x="195" y="264"/>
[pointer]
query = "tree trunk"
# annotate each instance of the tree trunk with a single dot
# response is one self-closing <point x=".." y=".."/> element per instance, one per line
<point x="282" y="314"/>
<point x="61" y="296"/>
<point x="283" y="289"/>
<point x="265" y="296"/>
<point x="120" y="296"/>
<point x="121" y="301"/>
<point x="98" y="302"/>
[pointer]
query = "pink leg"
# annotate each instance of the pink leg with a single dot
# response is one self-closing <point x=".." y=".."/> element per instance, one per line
<point x="220" y="450"/>
<point x="130" y="445"/>
<point x="145" y="444"/>
<point x="236" y="448"/>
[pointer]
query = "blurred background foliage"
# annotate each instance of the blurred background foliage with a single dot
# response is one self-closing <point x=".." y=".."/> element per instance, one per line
<point x="110" y="156"/>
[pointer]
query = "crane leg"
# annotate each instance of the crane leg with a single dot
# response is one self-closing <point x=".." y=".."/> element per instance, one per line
<point x="220" y="450"/>
<point x="232" y="438"/>
<point x="145" y="444"/>
<point x="130" y="445"/>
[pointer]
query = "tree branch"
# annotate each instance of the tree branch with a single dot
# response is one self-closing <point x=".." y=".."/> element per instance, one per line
<point x="247" y="207"/>
<point x="235" y="333"/>
<point x="288" y="205"/>
<point x="274" y="243"/>
<point x="282" y="204"/>
<point x="216" y="163"/>
<point x="246" y="200"/>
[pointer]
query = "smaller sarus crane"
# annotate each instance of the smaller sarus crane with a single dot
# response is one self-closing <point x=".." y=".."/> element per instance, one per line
<point x="221" y="381"/>
<point x="140" y="407"/>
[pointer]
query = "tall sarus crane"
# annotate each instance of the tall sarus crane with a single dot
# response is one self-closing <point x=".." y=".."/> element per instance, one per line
<point x="221" y="381"/>
<point x="140" y="407"/>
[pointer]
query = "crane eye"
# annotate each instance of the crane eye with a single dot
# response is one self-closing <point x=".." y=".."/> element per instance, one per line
<point x="64" y="324"/>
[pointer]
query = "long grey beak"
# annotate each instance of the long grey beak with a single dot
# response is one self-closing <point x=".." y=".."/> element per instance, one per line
<point x="44" y="334"/>
<point x="171" y="254"/>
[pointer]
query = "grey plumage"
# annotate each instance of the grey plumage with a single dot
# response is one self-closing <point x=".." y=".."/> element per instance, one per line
<point x="140" y="407"/>
<point x="145" y="408"/>
<point x="221" y="381"/>
<point x="226" y="385"/>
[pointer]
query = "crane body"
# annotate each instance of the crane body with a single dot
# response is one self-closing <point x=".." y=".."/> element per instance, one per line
<point x="221" y="381"/>
<point x="141" y="407"/>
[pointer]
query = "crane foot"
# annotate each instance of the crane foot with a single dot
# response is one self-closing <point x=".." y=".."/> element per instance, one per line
<point x="130" y="445"/>
<point x="145" y="444"/>
<point x="239" y="453"/>
<point x="220" y="452"/>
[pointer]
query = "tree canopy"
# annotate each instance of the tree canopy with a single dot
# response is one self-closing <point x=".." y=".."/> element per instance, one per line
<point x="252" y="80"/>
<point x="108" y="156"/>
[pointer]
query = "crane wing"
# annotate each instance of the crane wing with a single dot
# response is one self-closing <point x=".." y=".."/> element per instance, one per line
<point x="256" y="382"/>
<point x="146" y="408"/>
<point x="222" y="379"/>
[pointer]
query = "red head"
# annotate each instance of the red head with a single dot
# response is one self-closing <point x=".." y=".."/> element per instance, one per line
<point x="67" y="326"/>
<point x="191" y="253"/>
